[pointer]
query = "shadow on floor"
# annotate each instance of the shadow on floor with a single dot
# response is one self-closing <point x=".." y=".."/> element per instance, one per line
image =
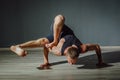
<point x="89" y="62"/>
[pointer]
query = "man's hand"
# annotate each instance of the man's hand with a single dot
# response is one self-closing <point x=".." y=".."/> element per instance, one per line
<point x="44" y="66"/>
<point x="50" y="45"/>
<point x="102" y="64"/>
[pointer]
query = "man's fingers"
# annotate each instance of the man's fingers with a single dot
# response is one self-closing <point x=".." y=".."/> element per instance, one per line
<point x="47" y="45"/>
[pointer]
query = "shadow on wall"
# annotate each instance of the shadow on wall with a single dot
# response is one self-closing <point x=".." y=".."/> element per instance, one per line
<point x="89" y="62"/>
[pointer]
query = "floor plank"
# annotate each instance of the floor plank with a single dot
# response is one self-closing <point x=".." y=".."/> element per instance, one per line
<point x="13" y="67"/>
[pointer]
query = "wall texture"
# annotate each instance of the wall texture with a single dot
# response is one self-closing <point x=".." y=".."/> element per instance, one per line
<point x="94" y="21"/>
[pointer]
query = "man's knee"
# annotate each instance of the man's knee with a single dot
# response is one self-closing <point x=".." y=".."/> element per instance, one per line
<point x="59" y="20"/>
<point x="42" y="41"/>
<point x="60" y="17"/>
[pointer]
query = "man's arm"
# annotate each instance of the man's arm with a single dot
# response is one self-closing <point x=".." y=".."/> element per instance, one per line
<point x="46" y="64"/>
<point x="57" y="49"/>
<point x="96" y="47"/>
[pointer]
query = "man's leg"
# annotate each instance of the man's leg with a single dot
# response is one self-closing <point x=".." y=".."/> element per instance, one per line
<point x="57" y="28"/>
<point x="18" y="49"/>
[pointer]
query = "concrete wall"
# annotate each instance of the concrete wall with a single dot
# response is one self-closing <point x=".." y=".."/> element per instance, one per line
<point x="94" y="21"/>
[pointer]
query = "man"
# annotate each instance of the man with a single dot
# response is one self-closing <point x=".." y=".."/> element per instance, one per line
<point x="61" y="41"/>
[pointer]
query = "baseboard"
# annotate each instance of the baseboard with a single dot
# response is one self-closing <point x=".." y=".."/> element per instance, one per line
<point x="110" y="47"/>
<point x="32" y="49"/>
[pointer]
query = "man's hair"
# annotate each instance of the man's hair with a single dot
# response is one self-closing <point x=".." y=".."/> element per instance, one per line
<point x="73" y="52"/>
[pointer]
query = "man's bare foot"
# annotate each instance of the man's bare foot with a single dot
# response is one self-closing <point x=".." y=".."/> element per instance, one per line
<point x="18" y="51"/>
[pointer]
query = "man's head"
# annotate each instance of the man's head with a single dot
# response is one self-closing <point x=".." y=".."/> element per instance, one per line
<point x="72" y="55"/>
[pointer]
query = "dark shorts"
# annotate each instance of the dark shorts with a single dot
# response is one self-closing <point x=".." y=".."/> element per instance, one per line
<point x="65" y="31"/>
<point x="50" y="38"/>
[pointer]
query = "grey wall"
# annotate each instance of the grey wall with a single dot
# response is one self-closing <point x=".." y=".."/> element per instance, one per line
<point x="94" y="21"/>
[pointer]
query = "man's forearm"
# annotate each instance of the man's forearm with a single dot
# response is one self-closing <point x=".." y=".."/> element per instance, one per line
<point x="46" y="51"/>
<point x="98" y="52"/>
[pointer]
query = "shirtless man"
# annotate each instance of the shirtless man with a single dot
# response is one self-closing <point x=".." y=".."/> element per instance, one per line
<point x="61" y="41"/>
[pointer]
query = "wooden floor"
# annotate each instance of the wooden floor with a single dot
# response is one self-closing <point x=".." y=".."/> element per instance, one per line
<point x="13" y="67"/>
